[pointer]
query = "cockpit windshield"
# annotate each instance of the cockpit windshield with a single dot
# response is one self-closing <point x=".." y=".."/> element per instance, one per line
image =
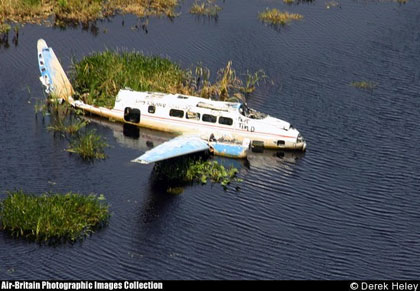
<point x="251" y="113"/>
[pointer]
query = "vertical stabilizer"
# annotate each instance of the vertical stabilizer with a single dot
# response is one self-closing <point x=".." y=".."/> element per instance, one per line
<point x="53" y="76"/>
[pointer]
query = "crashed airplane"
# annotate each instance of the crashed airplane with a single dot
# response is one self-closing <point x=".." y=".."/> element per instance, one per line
<point x="225" y="128"/>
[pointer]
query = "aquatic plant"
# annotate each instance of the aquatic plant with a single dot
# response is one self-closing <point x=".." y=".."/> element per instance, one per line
<point x="252" y="80"/>
<point x="365" y="85"/>
<point x="52" y="217"/>
<point x="208" y="8"/>
<point x="69" y="126"/>
<point x="88" y="146"/>
<point x="203" y="171"/>
<point x="4" y="28"/>
<point x="175" y="174"/>
<point x="69" y="122"/>
<point x="276" y="17"/>
<point x="100" y="76"/>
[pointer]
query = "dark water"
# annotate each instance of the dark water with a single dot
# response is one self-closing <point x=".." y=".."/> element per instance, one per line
<point x="348" y="208"/>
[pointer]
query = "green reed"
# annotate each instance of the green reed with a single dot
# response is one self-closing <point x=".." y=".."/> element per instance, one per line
<point x="52" y="217"/>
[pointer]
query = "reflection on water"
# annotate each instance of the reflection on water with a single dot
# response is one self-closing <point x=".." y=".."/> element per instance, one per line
<point x="144" y="139"/>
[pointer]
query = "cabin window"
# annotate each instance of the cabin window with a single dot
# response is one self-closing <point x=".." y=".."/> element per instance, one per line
<point x="225" y="120"/>
<point x="182" y="97"/>
<point x="176" y="113"/>
<point x="280" y="142"/>
<point x="209" y="118"/>
<point x="151" y="109"/>
<point x="132" y="115"/>
<point x="193" y="115"/>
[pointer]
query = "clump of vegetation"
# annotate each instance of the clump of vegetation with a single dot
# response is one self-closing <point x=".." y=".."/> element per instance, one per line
<point x="276" y="17"/>
<point x="176" y="173"/>
<point x="144" y="8"/>
<point x="4" y="33"/>
<point x="88" y="146"/>
<point x="252" y="80"/>
<point x="365" y="85"/>
<point x="52" y="217"/>
<point x="4" y="28"/>
<point x="64" y="119"/>
<point x="73" y="11"/>
<point x="68" y="126"/>
<point x="68" y="122"/>
<point x="98" y="78"/>
<point x="210" y="170"/>
<point x="207" y="7"/>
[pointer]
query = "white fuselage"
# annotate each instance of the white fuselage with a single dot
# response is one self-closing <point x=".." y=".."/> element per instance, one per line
<point x="184" y="114"/>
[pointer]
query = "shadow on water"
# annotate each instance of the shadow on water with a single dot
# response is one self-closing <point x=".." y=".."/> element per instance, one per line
<point x="155" y="204"/>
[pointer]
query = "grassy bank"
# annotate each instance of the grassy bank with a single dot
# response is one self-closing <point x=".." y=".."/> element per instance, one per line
<point x="35" y="11"/>
<point x="52" y="217"/>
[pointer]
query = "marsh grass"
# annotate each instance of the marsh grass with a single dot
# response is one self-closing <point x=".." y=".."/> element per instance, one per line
<point x="64" y="119"/>
<point x="80" y="11"/>
<point x="175" y="174"/>
<point x="98" y="78"/>
<point x="364" y="85"/>
<point x="277" y="17"/>
<point x="207" y="8"/>
<point x="68" y="126"/>
<point x="69" y="123"/>
<point x="203" y="171"/>
<point x="4" y="28"/>
<point x="252" y="81"/>
<point x="88" y="146"/>
<point x="52" y="218"/>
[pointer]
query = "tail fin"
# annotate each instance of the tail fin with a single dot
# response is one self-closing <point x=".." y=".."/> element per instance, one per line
<point x="53" y="76"/>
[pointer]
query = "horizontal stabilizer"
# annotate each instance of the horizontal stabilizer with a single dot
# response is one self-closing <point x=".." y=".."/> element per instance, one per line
<point x="176" y="147"/>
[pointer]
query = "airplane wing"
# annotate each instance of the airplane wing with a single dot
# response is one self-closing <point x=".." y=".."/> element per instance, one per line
<point x="176" y="147"/>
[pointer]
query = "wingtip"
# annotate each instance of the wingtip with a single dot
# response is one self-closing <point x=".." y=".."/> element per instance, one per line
<point x="140" y="161"/>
